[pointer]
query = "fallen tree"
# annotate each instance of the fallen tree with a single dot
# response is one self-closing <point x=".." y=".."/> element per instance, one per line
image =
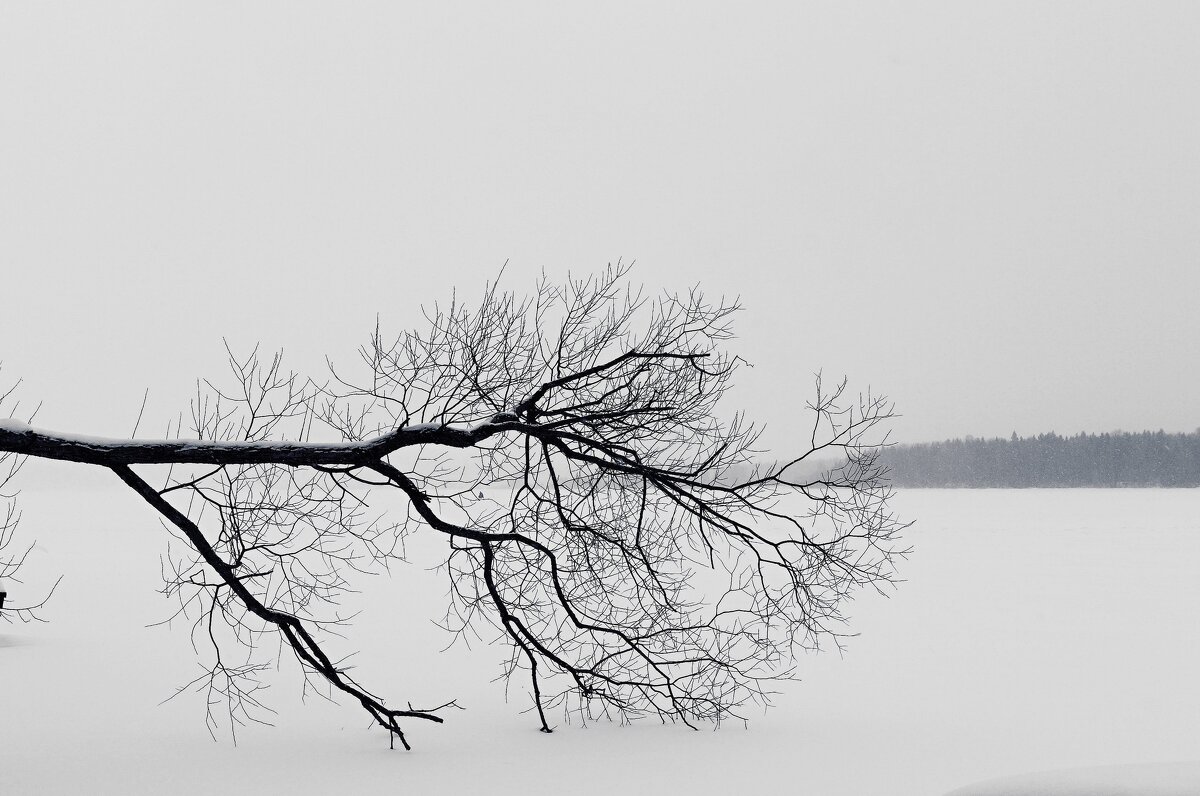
<point x="628" y="551"/>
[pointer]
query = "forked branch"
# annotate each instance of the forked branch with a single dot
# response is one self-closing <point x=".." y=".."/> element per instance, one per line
<point x="605" y="519"/>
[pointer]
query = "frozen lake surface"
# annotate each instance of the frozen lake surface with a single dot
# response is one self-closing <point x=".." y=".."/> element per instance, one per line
<point x="1036" y="630"/>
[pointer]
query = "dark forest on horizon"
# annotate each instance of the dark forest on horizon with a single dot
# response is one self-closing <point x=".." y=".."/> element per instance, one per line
<point x="1117" y="459"/>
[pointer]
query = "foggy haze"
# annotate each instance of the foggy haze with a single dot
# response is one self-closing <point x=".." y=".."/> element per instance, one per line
<point x="986" y="212"/>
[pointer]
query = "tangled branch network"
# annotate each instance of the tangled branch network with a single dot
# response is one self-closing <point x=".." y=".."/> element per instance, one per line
<point x="634" y="551"/>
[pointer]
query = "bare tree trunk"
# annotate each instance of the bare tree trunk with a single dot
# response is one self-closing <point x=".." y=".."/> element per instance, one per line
<point x="589" y="416"/>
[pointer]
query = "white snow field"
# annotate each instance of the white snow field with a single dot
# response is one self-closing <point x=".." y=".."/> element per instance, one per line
<point x="1147" y="779"/>
<point x="1037" y="630"/>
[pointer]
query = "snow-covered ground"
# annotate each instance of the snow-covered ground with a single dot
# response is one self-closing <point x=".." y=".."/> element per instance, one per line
<point x="1037" y="630"/>
<point x="1146" y="779"/>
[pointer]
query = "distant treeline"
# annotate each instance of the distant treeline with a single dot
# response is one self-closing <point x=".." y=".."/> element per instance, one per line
<point x="1151" y="458"/>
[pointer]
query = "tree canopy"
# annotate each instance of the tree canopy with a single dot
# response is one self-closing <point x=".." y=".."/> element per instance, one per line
<point x="1146" y="459"/>
<point x="603" y="513"/>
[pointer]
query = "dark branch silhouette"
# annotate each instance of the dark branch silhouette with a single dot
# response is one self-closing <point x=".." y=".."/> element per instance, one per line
<point x="603" y="520"/>
<point x="11" y="559"/>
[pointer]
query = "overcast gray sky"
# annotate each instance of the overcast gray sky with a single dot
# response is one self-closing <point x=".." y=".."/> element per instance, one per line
<point x="987" y="211"/>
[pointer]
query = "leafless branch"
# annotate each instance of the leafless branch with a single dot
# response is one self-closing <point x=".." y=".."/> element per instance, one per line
<point x="606" y="520"/>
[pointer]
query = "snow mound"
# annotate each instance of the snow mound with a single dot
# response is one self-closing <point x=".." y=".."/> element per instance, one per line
<point x="1150" y="779"/>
